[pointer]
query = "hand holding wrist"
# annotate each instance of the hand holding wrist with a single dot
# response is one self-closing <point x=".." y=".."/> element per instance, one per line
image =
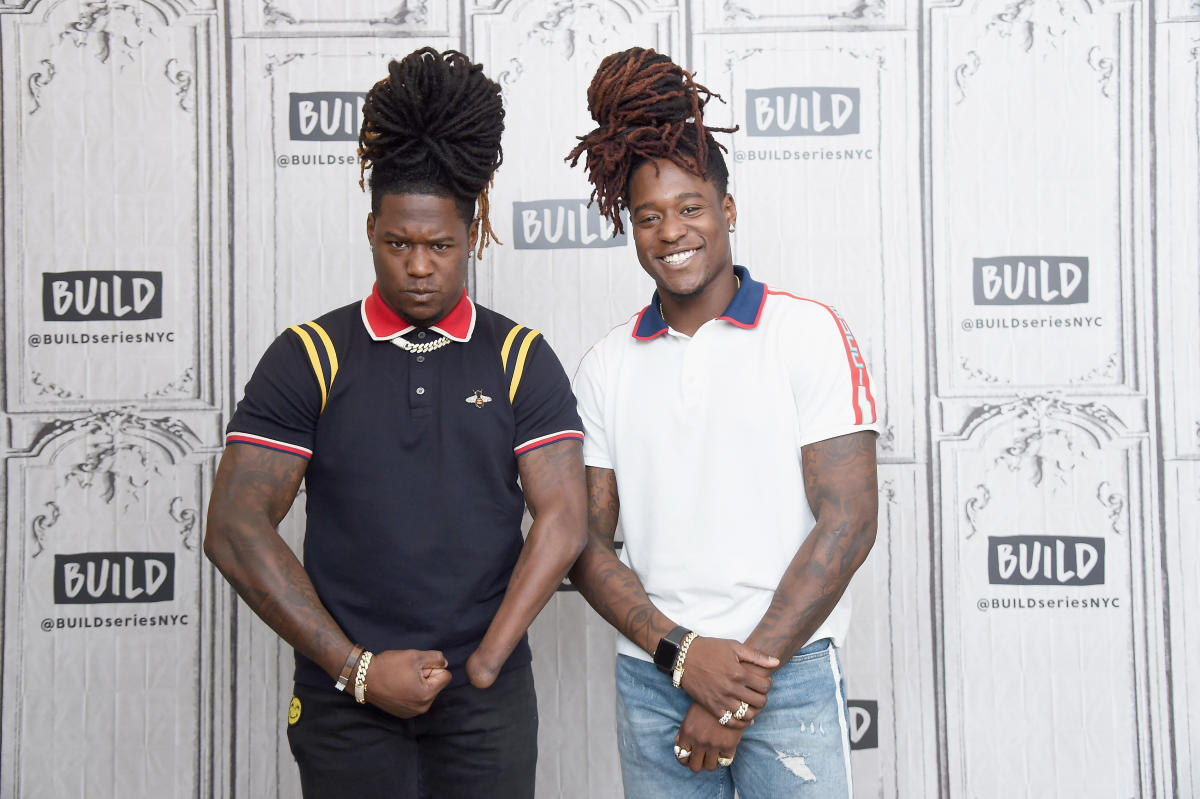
<point x="721" y="674"/>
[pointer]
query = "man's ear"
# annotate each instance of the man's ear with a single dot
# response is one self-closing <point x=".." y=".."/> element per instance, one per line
<point x="371" y="229"/>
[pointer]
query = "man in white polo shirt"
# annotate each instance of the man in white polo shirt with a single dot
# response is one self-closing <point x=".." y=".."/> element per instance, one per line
<point x="732" y="428"/>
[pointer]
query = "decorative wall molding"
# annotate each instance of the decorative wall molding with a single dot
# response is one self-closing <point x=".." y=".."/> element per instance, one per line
<point x="124" y="450"/>
<point x="274" y="15"/>
<point x="109" y="47"/>
<point x="111" y="25"/>
<point x="187" y="519"/>
<point x="1114" y="503"/>
<point x="180" y="386"/>
<point x="866" y="9"/>
<point x="977" y="373"/>
<point x="46" y="388"/>
<point x="1105" y="370"/>
<point x="182" y="80"/>
<point x="39" y="81"/>
<point x="351" y="18"/>
<point x="1040" y="411"/>
<point x="43" y="522"/>
<point x="1104" y="66"/>
<point x="275" y="61"/>
<point x="974" y="504"/>
<point x="1037" y="27"/>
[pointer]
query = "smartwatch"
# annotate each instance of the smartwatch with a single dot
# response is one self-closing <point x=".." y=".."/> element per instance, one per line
<point x="668" y="649"/>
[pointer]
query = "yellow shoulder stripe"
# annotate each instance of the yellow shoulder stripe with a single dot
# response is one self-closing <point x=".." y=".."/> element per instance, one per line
<point x="310" y="347"/>
<point x="520" y="368"/>
<point x="508" y="340"/>
<point x="333" y="361"/>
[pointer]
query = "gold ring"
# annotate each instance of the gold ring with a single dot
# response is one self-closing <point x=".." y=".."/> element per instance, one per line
<point x="724" y="761"/>
<point x="681" y="753"/>
<point x="725" y="718"/>
<point x="742" y="710"/>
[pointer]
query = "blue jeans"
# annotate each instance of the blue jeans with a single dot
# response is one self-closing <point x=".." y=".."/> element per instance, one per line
<point x="799" y="745"/>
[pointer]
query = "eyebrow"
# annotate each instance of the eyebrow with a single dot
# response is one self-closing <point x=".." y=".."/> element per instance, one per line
<point x="687" y="195"/>
<point x="436" y="240"/>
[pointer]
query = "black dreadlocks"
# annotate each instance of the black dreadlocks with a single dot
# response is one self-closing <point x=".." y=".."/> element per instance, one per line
<point x="433" y="126"/>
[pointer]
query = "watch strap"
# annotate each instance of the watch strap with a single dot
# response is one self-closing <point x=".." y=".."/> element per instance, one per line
<point x="344" y="678"/>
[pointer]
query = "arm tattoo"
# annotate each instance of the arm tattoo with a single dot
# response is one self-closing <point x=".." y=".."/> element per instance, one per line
<point x="840" y="483"/>
<point x="253" y="490"/>
<point x="609" y="586"/>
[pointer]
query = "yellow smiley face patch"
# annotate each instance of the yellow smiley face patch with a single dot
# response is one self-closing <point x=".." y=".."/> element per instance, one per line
<point x="294" y="711"/>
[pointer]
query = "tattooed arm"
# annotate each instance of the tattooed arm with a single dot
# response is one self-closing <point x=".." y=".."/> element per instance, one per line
<point x="839" y="479"/>
<point x="253" y="490"/>
<point x="717" y="670"/>
<point x="552" y="479"/>
<point x="840" y="482"/>
<point x="609" y="586"/>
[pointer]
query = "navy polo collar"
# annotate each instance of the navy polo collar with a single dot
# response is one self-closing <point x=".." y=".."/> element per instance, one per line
<point x="744" y="310"/>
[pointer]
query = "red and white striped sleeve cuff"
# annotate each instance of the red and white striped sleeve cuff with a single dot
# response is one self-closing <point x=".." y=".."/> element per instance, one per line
<point x="542" y="441"/>
<point x="269" y="443"/>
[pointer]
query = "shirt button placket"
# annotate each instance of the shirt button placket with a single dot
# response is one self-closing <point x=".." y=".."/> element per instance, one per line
<point x="691" y="382"/>
<point x="421" y="380"/>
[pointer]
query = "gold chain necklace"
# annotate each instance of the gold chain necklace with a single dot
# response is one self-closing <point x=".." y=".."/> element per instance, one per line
<point x="428" y="346"/>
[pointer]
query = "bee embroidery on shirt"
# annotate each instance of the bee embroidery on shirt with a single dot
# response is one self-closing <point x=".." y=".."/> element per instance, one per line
<point x="479" y="398"/>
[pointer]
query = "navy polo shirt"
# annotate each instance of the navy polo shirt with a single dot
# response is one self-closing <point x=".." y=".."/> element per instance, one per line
<point x="413" y="507"/>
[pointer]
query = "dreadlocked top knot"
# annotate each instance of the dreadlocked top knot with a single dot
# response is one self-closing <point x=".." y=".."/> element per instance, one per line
<point x="646" y="107"/>
<point x="434" y="124"/>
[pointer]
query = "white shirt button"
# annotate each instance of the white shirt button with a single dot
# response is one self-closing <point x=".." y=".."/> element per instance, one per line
<point x="421" y="390"/>
<point x="420" y="359"/>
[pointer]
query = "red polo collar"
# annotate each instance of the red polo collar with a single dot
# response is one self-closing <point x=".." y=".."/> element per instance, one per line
<point x="384" y="324"/>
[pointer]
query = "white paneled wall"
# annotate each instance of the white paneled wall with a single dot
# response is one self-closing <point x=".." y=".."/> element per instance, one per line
<point x="1001" y="196"/>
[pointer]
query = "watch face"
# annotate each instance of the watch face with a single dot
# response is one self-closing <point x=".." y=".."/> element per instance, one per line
<point x="668" y="649"/>
<point x="665" y="654"/>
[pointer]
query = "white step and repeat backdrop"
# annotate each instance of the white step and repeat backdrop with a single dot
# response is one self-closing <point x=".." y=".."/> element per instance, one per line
<point x="1001" y="196"/>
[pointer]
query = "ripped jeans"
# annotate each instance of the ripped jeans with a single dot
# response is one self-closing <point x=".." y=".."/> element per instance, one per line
<point x="798" y="746"/>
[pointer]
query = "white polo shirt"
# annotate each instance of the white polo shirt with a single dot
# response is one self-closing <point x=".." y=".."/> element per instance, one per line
<point x="704" y="434"/>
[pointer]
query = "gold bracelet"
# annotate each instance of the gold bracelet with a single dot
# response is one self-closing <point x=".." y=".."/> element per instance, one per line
<point x="677" y="673"/>
<point x="360" y="679"/>
<point x="344" y="678"/>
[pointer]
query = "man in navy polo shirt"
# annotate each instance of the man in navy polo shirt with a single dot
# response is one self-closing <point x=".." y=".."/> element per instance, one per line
<point x="410" y="416"/>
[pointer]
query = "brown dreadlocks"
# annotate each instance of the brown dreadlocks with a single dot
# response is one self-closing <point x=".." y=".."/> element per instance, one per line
<point x="647" y="107"/>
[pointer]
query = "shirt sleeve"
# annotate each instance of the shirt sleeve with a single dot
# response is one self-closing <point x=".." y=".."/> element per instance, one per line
<point x="543" y="405"/>
<point x="282" y="401"/>
<point x="832" y="388"/>
<point x="589" y="394"/>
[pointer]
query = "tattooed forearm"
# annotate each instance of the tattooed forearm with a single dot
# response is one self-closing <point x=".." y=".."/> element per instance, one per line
<point x="552" y="479"/>
<point x="610" y="586"/>
<point x="253" y="491"/>
<point x="840" y="482"/>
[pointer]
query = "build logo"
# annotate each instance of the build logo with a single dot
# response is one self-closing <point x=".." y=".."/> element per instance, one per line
<point x="864" y="723"/>
<point x="96" y="296"/>
<point x="97" y="578"/>
<point x="1030" y="280"/>
<point x="324" y="116"/>
<point x="1045" y="560"/>
<point x="802" y="111"/>
<point x="562" y="225"/>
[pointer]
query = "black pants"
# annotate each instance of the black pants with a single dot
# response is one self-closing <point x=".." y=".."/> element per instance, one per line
<point x="471" y="743"/>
